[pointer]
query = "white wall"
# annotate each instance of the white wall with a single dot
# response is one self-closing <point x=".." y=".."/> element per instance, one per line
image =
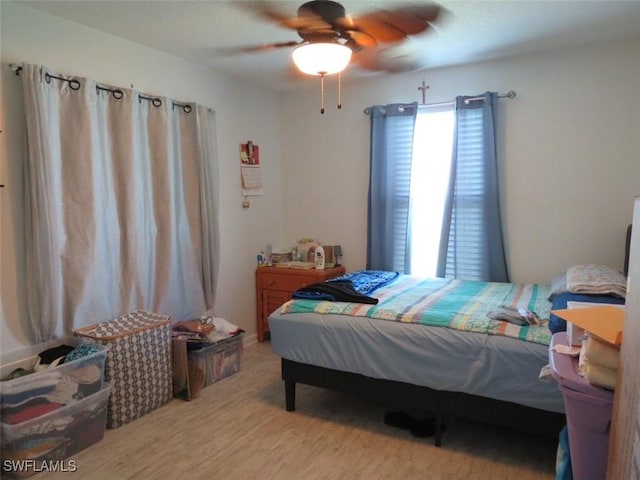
<point x="570" y="152"/>
<point x="243" y="111"/>
<point x="569" y="146"/>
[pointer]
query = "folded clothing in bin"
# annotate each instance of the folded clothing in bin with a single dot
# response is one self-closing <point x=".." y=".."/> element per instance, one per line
<point x="40" y="388"/>
<point x="54" y="436"/>
<point x="204" y="331"/>
<point x="599" y="362"/>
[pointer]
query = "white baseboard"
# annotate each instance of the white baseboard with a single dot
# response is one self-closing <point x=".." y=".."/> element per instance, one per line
<point x="249" y="340"/>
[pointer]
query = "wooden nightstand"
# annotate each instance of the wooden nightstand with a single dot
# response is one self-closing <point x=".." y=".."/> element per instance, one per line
<point x="274" y="286"/>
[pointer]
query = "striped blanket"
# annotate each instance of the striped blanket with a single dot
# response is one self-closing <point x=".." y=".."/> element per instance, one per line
<point x="457" y="304"/>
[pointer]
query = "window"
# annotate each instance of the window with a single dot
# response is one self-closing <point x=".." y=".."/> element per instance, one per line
<point x="434" y="205"/>
<point x="430" y="168"/>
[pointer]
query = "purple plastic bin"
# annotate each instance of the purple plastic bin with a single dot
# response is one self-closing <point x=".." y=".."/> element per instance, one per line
<point x="588" y="410"/>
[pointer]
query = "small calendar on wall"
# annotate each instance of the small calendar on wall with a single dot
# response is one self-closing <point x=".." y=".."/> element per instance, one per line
<point x="250" y="169"/>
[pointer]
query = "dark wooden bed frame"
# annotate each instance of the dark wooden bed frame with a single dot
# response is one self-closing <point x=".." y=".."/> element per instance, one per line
<point x="404" y="395"/>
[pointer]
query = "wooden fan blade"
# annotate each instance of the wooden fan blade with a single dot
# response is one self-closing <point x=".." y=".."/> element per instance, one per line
<point x="367" y="60"/>
<point x="268" y="46"/>
<point x="402" y="57"/>
<point x="226" y="51"/>
<point x="409" y="23"/>
<point x="361" y="39"/>
<point x="394" y="25"/>
<point x="381" y="31"/>
<point x="428" y="13"/>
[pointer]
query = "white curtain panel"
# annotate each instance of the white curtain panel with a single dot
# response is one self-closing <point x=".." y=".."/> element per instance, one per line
<point x="209" y="201"/>
<point x="121" y="204"/>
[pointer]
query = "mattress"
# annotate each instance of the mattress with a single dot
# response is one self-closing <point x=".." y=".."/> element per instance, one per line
<point x="493" y="366"/>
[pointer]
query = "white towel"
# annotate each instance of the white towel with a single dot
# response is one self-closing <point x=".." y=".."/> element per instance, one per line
<point x="600" y="376"/>
<point x="222" y="328"/>
<point x="599" y="352"/>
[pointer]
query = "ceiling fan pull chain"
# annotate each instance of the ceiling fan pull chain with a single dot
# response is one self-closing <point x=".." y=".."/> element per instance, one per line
<point x="339" y="90"/>
<point x="322" y="93"/>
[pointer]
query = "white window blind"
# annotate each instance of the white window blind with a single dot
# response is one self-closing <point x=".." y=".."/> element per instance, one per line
<point x="466" y="242"/>
<point x="400" y="140"/>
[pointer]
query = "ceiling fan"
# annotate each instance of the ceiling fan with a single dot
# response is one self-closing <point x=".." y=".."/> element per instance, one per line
<point x="330" y="38"/>
<point x="326" y="22"/>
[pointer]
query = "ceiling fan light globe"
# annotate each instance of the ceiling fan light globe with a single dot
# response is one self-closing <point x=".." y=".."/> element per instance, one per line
<point x="321" y="58"/>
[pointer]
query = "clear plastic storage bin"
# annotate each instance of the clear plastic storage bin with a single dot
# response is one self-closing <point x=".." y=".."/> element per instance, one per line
<point x="86" y="374"/>
<point x="47" y="439"/>
<point x="218" y="360"/>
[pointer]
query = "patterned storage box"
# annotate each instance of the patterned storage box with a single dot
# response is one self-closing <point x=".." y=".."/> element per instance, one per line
<point x="138" y="365"/>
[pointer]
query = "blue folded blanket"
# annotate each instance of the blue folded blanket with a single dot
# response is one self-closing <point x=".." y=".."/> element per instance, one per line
<point x="368" y="281"/>
<point x="559" y="302"/>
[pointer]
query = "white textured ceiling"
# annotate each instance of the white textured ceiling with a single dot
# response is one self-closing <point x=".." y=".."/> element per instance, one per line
<point x="472" y="31"/>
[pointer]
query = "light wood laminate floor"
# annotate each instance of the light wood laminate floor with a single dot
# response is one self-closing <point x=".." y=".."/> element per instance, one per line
<point x="238" y="429"/>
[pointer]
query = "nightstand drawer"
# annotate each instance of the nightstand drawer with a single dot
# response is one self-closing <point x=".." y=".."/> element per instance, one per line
<point x="288" y="283"/>
<point x="271" y="301"/>
<point x="274" y="286"/>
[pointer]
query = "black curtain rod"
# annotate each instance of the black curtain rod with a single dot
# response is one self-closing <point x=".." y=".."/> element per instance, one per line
<point x="73" y="83"/>
<point x="115" y="92"/>
<point x="510" y="95"/>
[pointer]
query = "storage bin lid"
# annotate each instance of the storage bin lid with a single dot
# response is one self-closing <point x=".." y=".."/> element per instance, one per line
<point x="124" y="325"/>
<point x="564" y="369"/>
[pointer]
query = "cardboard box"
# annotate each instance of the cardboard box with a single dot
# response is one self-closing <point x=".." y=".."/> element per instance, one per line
<point x="188" y="378"/>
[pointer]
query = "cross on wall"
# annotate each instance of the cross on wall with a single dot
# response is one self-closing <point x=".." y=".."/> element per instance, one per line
<point x="424" y="89"/>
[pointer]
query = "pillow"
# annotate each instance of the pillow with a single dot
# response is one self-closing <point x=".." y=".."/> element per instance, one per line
<point x="596" y="279"/>
<point x="558" y="285"/>
<point x="557" y="324"/>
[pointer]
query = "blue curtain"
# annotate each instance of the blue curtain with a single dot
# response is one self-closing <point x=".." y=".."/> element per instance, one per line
<point x="388" y="235"/>
<point x="471" y="245"/>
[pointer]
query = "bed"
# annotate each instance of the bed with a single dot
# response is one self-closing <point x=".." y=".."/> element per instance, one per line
<point x="427" y="344"/>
